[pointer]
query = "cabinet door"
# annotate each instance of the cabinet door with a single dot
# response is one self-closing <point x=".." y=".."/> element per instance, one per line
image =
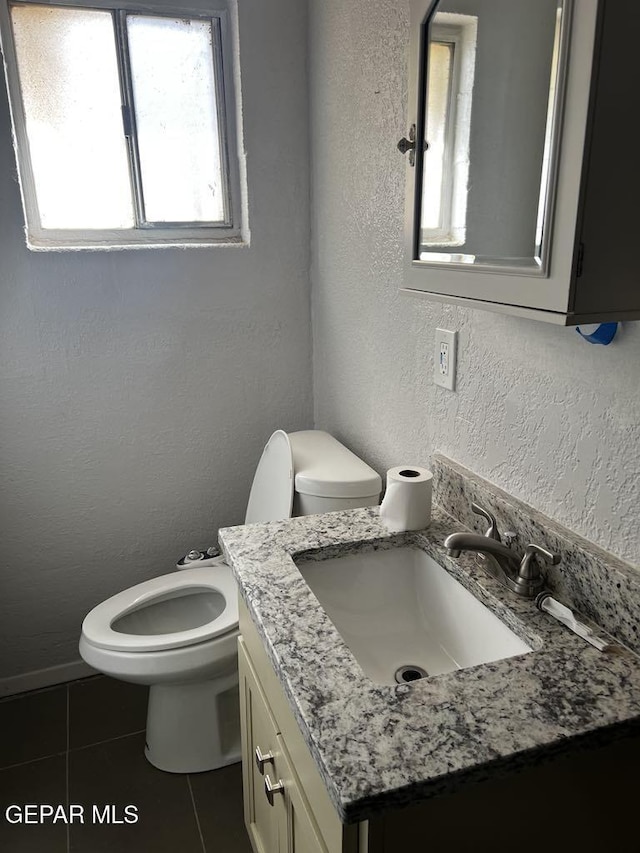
<point x="265" y="822"/>
<point x="301" y="831"/>
<point x="483" y="244"/>
<point x="283" y="822"/>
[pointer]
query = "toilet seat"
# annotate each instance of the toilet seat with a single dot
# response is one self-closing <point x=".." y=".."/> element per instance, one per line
<point x="178" y="633"/>
<point x="219" y="598"/>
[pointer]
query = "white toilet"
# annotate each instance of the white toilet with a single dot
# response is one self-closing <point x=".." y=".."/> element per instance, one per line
<point x="178" y="632"/>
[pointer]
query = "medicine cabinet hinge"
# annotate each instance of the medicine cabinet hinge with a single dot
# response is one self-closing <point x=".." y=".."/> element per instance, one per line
<point x="580" y="260"/>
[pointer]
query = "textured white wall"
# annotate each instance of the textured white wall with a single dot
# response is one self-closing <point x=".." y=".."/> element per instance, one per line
<point x="137" y="388"/>
<point x="546" y="416"/>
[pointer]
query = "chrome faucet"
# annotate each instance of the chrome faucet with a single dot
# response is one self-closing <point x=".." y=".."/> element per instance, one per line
<point x="521" y="575"/>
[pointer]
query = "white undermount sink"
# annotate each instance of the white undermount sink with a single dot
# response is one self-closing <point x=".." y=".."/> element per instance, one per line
<point x="403" y="616"/>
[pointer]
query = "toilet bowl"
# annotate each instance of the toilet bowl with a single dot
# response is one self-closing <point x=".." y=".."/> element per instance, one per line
<point x="178" y="632"/>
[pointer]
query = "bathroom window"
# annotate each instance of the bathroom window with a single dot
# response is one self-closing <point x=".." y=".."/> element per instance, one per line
<point x="124" y="125"/>
<point x="451" y="70"/>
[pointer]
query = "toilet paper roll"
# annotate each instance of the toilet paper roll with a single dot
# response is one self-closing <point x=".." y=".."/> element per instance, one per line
<point x="407" y="501"/>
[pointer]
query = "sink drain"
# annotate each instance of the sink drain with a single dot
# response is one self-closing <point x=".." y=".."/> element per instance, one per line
<point x="410" y="672"/>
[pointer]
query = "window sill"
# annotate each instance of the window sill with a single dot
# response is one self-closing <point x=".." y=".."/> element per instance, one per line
<point x="56" y="246"/>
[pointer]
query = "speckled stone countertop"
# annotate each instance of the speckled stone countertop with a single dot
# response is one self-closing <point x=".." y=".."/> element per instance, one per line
<point x="378" y="746"/>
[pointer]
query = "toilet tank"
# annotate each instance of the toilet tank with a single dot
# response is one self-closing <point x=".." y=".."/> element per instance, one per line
<point x="328" y="476"/>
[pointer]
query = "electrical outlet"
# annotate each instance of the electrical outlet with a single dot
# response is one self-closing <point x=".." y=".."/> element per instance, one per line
<point x="444" y="368"/>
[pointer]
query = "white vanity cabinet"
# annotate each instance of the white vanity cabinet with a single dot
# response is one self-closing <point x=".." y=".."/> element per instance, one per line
<point x="278" y="819"/>
<point x="582" y="216"/>
<point x="585" y="800"/>
<point x="298" y="817"/>
<point x="265" y="821"/>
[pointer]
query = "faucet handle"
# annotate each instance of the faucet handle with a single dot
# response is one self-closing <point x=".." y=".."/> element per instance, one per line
<point x="492" y="530"/>
<point x="530" y="579"/>
<point x="528" y="567"/>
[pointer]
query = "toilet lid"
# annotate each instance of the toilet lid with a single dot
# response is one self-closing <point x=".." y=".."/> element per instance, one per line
<point x="167" y="612"/>
<point x="271" y="496"/>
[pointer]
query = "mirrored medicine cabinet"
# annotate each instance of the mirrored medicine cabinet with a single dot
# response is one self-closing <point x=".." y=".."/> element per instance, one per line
<point x="522" y="189"/>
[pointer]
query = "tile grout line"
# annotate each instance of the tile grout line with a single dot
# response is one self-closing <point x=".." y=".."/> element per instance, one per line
<point x="32" y="760"/>
<point x="67" y="767"/>
<point x="106" y="740"/>
<point x="70" y="749"/>
<point x="27" y="694"/>
<point x="195" y="811"/>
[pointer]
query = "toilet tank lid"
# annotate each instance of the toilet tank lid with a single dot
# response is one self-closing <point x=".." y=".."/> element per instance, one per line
<point x="326" y="468"/>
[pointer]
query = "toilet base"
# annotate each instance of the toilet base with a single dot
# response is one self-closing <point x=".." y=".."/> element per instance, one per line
<point x="194" y="727"/>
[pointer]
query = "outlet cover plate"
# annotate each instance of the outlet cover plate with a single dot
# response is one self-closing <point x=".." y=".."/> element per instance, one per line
<point x="445" y="358"/>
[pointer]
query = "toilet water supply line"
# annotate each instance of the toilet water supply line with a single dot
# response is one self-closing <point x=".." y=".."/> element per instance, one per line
<point x="598" y="333"/>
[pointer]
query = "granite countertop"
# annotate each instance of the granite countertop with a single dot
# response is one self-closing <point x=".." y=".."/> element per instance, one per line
<point x="380" y="746"/>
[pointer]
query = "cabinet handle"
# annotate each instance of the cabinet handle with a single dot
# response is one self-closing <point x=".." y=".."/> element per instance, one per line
<point x="270" y="789"/>
<point x="262" y="759"/>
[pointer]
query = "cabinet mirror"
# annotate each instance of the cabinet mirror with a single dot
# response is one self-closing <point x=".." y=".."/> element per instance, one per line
<point x="490" y="87"/>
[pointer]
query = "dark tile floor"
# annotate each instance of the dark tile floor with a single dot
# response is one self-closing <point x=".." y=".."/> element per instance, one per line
<point x="82" y="744"/>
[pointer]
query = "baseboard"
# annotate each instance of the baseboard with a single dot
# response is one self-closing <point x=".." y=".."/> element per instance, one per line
<point x="45" y="677"/>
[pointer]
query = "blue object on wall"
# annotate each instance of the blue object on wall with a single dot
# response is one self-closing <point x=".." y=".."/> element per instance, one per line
<point x="598" y="333"/>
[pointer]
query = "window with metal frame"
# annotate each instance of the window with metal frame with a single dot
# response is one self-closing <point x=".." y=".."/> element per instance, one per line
<point x="124" y="125"/>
